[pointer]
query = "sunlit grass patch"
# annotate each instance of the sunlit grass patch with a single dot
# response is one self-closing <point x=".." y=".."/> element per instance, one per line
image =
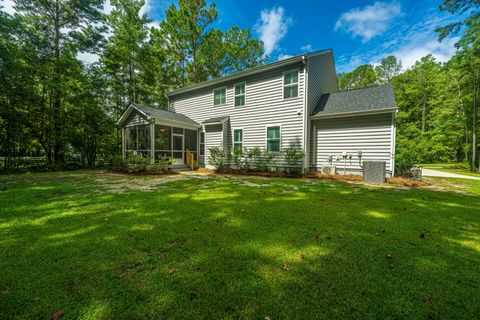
<point x="236" y="247"/>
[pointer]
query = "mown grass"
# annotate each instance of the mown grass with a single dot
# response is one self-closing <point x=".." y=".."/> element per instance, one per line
<point x="236" y="248"/>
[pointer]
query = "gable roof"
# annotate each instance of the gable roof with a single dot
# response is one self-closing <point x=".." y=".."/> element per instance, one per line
<point x="156" y="114"/>
<point x="251" y="71"/>
<point x="216" y="120"/>
<point x="369" y="99"/>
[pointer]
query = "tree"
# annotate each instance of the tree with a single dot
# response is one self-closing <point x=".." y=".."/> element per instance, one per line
<point x="469" y="29"/>
<point x="361" y="77"/>
<point x="388" y="68"/>
<point x="55" y="31"/>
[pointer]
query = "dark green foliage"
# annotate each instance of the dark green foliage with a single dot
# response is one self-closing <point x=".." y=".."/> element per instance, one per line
<point x="293" y="160"/>
<point x="219" y="158"/>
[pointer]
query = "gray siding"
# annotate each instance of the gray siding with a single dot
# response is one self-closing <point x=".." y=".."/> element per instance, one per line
<point x="264" y="106"/>
<point x="373" y="135"/>
<point x="136" y="119"/>
<point x="213" y="138"/>
<point x="321" y="79"/>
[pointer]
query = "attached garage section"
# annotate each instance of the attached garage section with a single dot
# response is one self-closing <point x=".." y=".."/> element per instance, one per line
<point x="371" y="135"/>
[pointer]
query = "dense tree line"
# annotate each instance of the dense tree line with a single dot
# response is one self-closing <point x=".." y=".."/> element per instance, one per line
<point x="56" y="106"/>
<point x="438" y="102"/>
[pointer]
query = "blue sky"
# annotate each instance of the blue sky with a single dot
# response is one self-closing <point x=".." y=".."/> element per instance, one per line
<point x="360" y="31"/>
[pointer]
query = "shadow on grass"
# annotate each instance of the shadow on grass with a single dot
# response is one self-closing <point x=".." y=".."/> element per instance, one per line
<point x="238" y="248"/>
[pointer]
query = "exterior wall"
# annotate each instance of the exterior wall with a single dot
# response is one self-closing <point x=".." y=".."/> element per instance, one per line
<point x="135" y="119"/>
<point x="372" y="134"/>
<point x="264" y="106"/>
<point x="321" y="79"/>
<point x="214" y="137"/>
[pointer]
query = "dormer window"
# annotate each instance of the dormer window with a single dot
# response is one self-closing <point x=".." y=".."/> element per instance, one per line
<point x="290" y="84"/>
<point x="219" y="96"/>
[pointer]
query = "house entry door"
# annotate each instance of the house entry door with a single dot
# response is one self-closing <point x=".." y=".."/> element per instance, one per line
<point x="177" y="148"/>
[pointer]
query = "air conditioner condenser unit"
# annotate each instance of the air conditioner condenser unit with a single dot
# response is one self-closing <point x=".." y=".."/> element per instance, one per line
<point x="329" y="169"/>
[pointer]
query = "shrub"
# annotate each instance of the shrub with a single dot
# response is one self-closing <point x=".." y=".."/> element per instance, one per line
<point x="251" y="156"/>
<point x="405" y="160"/>
<point x="218" y="158"/>
<point x="293" y="160"/>
<point x="238" y="158"/>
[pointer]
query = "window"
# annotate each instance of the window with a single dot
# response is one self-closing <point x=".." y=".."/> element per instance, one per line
<point x="290" y="84"/>
<point x="202" y="143"/>
<point x="273" y="139"/>
<point x="240" y="95"/>
<point x="238" y="139"/>
<point x="219" y="96"/>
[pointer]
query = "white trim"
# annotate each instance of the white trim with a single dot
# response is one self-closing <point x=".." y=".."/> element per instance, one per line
<point x="393" y="140"/>
<point x="306" y="124"/>
<point x="152" y="143"/>
<point x="183" y="148"/>
<point x="233" y="136"/>
<point x="266" y="137"/>
<point x="244" y="94"/>
<point x="355" y="113"/>
<point x="177" y="124"/>
<point x="123" y="143"/>
<point x="213" y="96"/>
<point x="298" y="84"/>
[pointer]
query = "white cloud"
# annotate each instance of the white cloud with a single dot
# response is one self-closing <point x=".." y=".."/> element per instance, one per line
<point x="369" y="21"/>
<point x="7" y="6"/>
<point x="409" y="42"/>
<point x="272" y="27"/>
<point x="307" y="48"/>
<point x="283" y="56"/>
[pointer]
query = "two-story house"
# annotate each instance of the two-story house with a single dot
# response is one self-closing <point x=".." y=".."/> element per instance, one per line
<point x="289" y="103"/>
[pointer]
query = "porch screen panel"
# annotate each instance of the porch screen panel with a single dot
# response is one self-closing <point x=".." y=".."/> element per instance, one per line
<point x="144" y="138"/>
<point x="131" y="139"/>
<point x="163" y="141"/>
<point x="191" y="140"/>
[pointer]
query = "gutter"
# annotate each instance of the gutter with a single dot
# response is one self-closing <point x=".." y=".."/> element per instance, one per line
<point x="351" y="114"/>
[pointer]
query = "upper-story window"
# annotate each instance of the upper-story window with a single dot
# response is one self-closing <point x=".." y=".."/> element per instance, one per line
<point x="219" y="96"/>
<point x="239" y="94"/>
<point x="290" y="84"/>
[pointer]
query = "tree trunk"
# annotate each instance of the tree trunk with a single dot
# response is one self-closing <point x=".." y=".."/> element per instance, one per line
<point x="475" y="111"/>
<point x="58" y="145"/>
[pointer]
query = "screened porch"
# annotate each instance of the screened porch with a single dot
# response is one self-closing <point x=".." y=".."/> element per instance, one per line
<point x="156" y="134"/>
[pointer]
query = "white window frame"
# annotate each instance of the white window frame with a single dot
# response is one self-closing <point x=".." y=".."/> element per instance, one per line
<point x="289" y="85"/>
<point x="213" y="96"/>
<point x="280" y="139"/>
<point x="233" y="136"/>
<point x="244" y="83"/>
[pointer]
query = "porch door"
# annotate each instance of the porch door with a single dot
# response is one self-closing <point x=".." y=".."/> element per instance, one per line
<point x="177" y="148"/>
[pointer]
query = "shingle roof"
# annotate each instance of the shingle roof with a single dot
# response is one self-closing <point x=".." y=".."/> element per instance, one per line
<point x="164" y="114"/>
<point x="365" y="99"/>
<point x="216" y="120"/>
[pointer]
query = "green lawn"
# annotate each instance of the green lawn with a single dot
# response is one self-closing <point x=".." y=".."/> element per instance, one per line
<point x="103" y="247"/>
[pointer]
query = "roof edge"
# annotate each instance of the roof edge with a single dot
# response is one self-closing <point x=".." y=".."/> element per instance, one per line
<point x="319" y="115"/>
<point x="251" y="71"/>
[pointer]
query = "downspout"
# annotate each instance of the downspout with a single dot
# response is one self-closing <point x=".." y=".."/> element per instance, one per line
<point x="305" y="115"/>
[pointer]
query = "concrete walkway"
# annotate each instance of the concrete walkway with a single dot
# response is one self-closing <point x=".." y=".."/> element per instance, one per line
<point x="442" y="174"/>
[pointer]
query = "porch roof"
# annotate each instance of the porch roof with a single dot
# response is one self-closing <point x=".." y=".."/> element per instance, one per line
<point x="153" y="114"/>
<point x="216" y="120"/>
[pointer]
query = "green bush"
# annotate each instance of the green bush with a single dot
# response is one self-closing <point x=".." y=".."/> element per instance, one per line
<point x="218" y="158"/>
<point x="293" y="160"/>
<point x="238" y="158"/>
<point x="405" y="160"/>
<point x="251" y="156"/>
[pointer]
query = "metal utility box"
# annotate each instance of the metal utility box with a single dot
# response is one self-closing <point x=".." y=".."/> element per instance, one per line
<point x="374" y="172"/>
